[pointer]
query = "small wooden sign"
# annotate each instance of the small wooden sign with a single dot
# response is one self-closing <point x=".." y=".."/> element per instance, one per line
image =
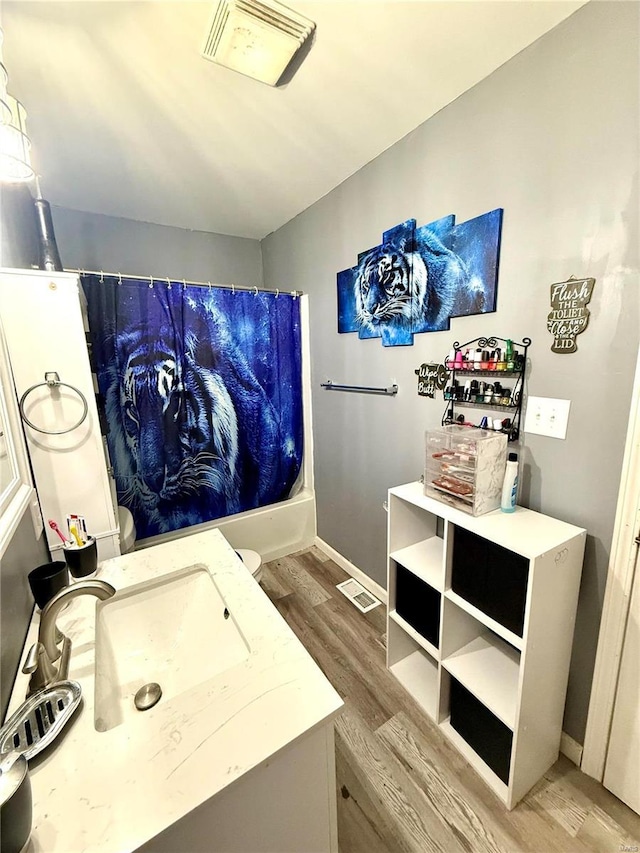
<point x="431" y="378"/>
<point x="569" y="315"/>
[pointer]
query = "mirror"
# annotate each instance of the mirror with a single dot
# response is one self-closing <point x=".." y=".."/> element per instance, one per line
<point x="8" y="469"/>
<point x="16" y="489"/>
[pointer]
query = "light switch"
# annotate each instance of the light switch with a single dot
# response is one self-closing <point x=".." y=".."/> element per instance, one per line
<point x="547" y="416"/>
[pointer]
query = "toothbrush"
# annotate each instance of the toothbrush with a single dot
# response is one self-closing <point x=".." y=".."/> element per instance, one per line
<point x="55" y="527"/>
<point x="73" y="526"/>
<point x="83" y="529"/>
<point x="74" y="533"/>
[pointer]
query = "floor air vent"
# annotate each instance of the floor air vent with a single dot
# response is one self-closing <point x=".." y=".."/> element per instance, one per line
<point x="358" y="595"/>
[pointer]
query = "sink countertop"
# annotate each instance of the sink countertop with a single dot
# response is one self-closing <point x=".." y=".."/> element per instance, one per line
<point x="114" y="790"/>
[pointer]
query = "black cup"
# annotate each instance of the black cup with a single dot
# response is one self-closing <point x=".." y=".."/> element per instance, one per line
<point x="82" y="561"/>
<point x="47" y="580"/>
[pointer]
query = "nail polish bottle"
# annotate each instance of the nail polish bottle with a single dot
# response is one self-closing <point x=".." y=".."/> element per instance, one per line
<point x="488" y="394"/>
<point x="484" y="364"/>
<point x="480" y="394"/>
<point x="509" y="356"/>
<point x="450" y="360"/>
<point x="458" y="362"/>
<point x="477" y="359"/>
<point x="467" y="360"/>
<point x="467" y="390"/>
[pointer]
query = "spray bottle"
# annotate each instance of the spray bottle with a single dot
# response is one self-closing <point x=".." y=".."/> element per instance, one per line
<point x="510" y="485"/>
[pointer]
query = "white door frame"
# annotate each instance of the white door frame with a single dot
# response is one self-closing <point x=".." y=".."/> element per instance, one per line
<point x="617" y="598"/>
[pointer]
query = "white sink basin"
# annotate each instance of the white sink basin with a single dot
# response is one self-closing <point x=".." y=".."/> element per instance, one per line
<point x="174" y="630"/>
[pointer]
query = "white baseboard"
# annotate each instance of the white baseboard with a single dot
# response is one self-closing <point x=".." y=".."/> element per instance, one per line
<point x="571" y="749"/>
<point x="367" y="582"/>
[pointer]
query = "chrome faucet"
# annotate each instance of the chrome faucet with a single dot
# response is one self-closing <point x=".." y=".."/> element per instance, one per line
<point x="52" y="645"/>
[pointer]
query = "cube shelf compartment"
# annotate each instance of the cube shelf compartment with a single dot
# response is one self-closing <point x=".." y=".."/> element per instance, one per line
<point x="418" y="604"/>
<point x="479" y="568"/>
<point x="480" y="627"/>
<point x="482" y="730"/>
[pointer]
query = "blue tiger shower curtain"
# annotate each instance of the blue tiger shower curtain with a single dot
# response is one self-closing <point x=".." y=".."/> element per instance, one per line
<point x="202" y="391"/>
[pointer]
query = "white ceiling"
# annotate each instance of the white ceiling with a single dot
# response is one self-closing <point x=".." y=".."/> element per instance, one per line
<point x="128" y="120"/>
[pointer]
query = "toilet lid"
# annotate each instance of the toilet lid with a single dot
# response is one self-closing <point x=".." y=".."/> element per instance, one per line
<point x="127" y="527"/>
<point x="251" y="559"/>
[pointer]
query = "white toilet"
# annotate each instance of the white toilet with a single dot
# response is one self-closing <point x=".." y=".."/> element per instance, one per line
<point x="127" y="530"/>
<point x="252" y="560"/>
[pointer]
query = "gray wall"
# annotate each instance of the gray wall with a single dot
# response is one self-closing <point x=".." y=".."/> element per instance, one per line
<point x="16" y="603"/>
<point x="94" y="242"/>
<point x="19" y="246"/>
<point x="24" y="552"/>
<point x="552" y="137"/>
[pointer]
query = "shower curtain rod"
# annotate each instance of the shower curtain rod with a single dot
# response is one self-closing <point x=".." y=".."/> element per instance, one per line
<point x="168" y="280"/>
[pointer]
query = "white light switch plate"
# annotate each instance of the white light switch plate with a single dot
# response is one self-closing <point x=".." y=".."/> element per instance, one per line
<point x="547" y="416"/>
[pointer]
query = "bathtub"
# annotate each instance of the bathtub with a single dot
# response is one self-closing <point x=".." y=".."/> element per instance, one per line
<point x="273" y="531"/>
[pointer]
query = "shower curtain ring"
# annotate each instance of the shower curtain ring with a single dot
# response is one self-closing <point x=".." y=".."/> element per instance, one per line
<point x="168" y="283"/>
<point x="233" y="289"/>
<point x="209" y="283"/>
<point x="151" y="282"/>
<point x="184" y="284"/>
<point x="119" y="278"/>
<point x="101" y="277"/>
<point x="255" y="290"/>
<point x="277" y="292"/>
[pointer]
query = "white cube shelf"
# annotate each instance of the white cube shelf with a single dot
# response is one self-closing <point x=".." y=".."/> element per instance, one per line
<point x="481" y="612"/>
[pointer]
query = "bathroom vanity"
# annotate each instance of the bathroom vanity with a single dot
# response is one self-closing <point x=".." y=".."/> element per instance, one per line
<point x="238" y="754"/>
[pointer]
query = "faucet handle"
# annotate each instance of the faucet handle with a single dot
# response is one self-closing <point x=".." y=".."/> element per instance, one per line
<point x="38" y="665"/>
<point x="31" y="663"/>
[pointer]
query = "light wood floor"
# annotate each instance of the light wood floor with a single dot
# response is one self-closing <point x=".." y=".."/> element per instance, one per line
<point x="401" y="785"/>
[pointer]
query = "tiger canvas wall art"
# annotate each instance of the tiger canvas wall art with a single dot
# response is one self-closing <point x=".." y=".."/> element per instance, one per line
<point x="418" y="278"/>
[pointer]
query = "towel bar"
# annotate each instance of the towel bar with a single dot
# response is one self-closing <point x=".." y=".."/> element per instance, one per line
<point x="363" y="389"/>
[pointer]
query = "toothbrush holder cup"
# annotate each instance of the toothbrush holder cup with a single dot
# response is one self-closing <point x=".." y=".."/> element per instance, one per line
<point x="47" y="580"/>
<point x="83" y="560"/>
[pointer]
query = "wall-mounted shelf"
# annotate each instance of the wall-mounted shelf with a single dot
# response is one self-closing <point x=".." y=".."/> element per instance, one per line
<point x="474" y="405"/>
<point x="496" y="374"/>
<point x="480" y="629"/>
<point x="472" y="363"/>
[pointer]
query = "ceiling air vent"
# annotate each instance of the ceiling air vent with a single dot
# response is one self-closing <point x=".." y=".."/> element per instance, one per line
<point x="258" y="39"/>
